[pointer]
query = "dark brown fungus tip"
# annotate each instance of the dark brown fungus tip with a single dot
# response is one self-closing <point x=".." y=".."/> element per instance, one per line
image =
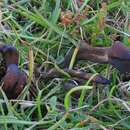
<point x="119" y="57"/>
<point x="118" y="50"/>
<point x="13" y="81"/>
<point x="100" y="79"/>
<point x="10" y="54"/>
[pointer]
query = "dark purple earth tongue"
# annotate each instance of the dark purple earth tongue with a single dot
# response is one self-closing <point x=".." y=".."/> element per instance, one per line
<point x="10" y="54"/>
<point x="119" y="57"/>
<point x="13" y="81"/>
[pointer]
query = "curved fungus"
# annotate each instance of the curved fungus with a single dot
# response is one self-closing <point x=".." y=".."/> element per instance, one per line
<point x="13" y="79"/>
<point x="81" y="75"/>
<point x="117" y="55"/>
